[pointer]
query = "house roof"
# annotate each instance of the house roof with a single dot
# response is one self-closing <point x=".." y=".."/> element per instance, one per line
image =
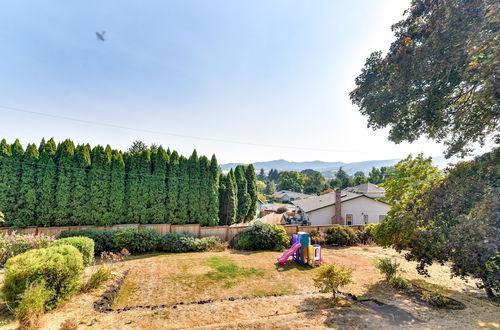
<point x="291" y="194"/>
<point x="315" y="203"/>
<point x="368" y="189"/>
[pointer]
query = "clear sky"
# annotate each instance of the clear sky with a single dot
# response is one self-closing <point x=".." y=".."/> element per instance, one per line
<point x="266" y="72"/>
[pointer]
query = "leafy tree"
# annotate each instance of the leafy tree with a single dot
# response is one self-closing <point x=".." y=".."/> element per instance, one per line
<point x="252" y="191"/>
<point x="117" y="189"/>
<point x="359" y="173"/>
<point x="314" y="184"/>
<point x="359" y="180"/>
<point x="334" y="183"/>
<point x="244" y="198"/>
<point x="273" y="175"/>
<point x="377" y="176"/>
<point x="65" y="166"/>
<point x="331" y="277"/>
<point x="81" y="187"/>
<point x="27" y="202"/>
<point x="46" y="183"/>
<point x="291" y="180"/>
<point x="100" y="184"/>
<point x="138" y="146"/>
<point x="157" y="193"/>
<point x="344" y="178"/>
<point x="439" y="78"/>
<point x="454" y="220"/>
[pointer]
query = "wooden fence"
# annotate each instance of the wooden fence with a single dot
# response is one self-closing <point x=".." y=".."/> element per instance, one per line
<point x="225" y="233"/>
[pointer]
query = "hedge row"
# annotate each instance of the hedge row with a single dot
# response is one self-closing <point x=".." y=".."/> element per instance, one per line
<point x="142" y="240"/>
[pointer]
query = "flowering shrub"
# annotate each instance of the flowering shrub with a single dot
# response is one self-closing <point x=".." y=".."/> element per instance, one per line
<point x="14" y="244"/>
<point x="115" y="257"/>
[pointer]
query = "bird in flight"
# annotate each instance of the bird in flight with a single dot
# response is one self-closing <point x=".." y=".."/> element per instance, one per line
<point x="100" y="35"/>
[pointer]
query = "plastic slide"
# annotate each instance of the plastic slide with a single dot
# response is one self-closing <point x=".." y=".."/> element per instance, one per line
<point x="288" y="253"/>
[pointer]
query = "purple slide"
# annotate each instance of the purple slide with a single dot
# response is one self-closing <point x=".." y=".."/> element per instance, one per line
<point x="288" y="253"/>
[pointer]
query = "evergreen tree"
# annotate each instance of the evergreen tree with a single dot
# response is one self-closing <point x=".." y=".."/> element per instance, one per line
<point x="344" y="178"/>
<point x="244" y="198"/>
<point x="81" y="187"/>
<point x="27" y="201"/>
<point x="138" y="183"/>
<point x="117" y="189"/>
<point x="158" y="188"/>
<point x="7" y="179"/>
<point x="183" y="193"/>
<point x="172" y="189"/>
<point x="213" y="195"/>
<point x="100" y="184"/>
<point x="270" y="187"/>
<point x="228" y="206"/>
<point x="262" y="175"/>
<point x="252" y="192"/>
<point x="46" y="184"/>
<point x="65" y="166"/>
<point x="194" y="190"/>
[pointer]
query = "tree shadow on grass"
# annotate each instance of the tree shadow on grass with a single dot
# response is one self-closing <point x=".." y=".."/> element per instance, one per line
<point x="290" y="264"/>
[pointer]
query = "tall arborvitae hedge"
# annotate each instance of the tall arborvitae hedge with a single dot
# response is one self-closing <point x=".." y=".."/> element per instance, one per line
<point x="252" y="191"/>
<point x="60" y="185"/>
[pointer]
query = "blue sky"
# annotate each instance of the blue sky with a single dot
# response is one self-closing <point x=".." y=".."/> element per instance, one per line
<point x="264" y="72"/>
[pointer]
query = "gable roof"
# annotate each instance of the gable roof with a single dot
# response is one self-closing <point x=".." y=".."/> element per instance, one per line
<point x="319" y="202"/>
<point x="291" y="194"/>
<point x="368" y="189"/>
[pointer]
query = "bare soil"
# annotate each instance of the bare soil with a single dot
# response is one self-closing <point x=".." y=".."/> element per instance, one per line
<point x="188" y="291"/>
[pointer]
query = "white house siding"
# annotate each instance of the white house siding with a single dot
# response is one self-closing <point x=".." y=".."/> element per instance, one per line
<point x="364" y="205"/>
<point x="357" y="207"/>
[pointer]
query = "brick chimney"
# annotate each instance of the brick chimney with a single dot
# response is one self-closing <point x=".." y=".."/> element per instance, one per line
<point x="338" y="208"/>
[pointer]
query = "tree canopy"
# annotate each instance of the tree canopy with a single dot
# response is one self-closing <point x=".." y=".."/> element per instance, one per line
<point x="439" y="78"/>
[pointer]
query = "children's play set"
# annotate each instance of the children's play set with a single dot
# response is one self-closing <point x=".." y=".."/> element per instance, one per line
<point x="302" y="251"/>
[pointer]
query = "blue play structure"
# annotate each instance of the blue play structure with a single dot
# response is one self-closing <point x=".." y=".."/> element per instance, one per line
<point x="302" y="251"/>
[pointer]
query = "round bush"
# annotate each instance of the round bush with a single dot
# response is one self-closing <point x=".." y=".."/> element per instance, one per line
<point x="178" y="242"/>
<point x="206" y="243"/>
<point x="263" y="236"/>
<point x="103" y="238"/>
<point x="84" y="244"/>
<point x="365" y="234"/>
<point x="140" y="240"/>
<point x="60" y="268"/>
<point x="340" y="235"/>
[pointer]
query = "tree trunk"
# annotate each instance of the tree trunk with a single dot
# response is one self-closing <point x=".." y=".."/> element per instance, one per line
<point x="489" y="291"/>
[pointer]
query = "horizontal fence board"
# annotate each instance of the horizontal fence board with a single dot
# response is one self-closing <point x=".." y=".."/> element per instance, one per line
<point x="220" y="232"/>
<point x="307" y="229"/>
<point x="193" y="229"/>
<point x="232" y="232"/>
<point x="161" y="228"/>
<point x="290" y="230"/>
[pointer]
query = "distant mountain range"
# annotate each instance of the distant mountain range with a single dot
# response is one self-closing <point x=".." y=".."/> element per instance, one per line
<point x="328" y="169"/>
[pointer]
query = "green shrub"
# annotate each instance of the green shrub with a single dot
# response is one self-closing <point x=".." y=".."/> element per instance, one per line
<point x="59" y="267"/>
<point x="387" y="267"/>
<point x="14" y="244"/>
<point x="206" y="243"/>
<point x="435" y="299"/>
<point x="140" y="240"/>
<point x="100" y="276"/>
<point x="331" y="277"/>
<point x="317" y="237"/>
<point x="341" y="235"/>
<point x="32" y="305"/>
<point x="84" y="244"/>
<point x="178" y="242"/>
<point x="398" y="282"/>
<point x="103" y="238"/>
<point x="365" y="235"/>
<point x="263" y="236"/>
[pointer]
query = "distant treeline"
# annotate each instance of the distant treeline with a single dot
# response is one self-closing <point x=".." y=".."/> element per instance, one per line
<point x="63" y="184"/>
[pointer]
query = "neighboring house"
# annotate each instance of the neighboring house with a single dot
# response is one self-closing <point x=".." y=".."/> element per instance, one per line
<point x="289" y="196"/>
<point x="368" y="189"/>
<point x="353" y="209"/>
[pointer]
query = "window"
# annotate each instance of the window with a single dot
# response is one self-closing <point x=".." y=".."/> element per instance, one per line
<point x="381" y="217"/>
<point x="348" y="219"/>
<point x="365" y="218"/>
